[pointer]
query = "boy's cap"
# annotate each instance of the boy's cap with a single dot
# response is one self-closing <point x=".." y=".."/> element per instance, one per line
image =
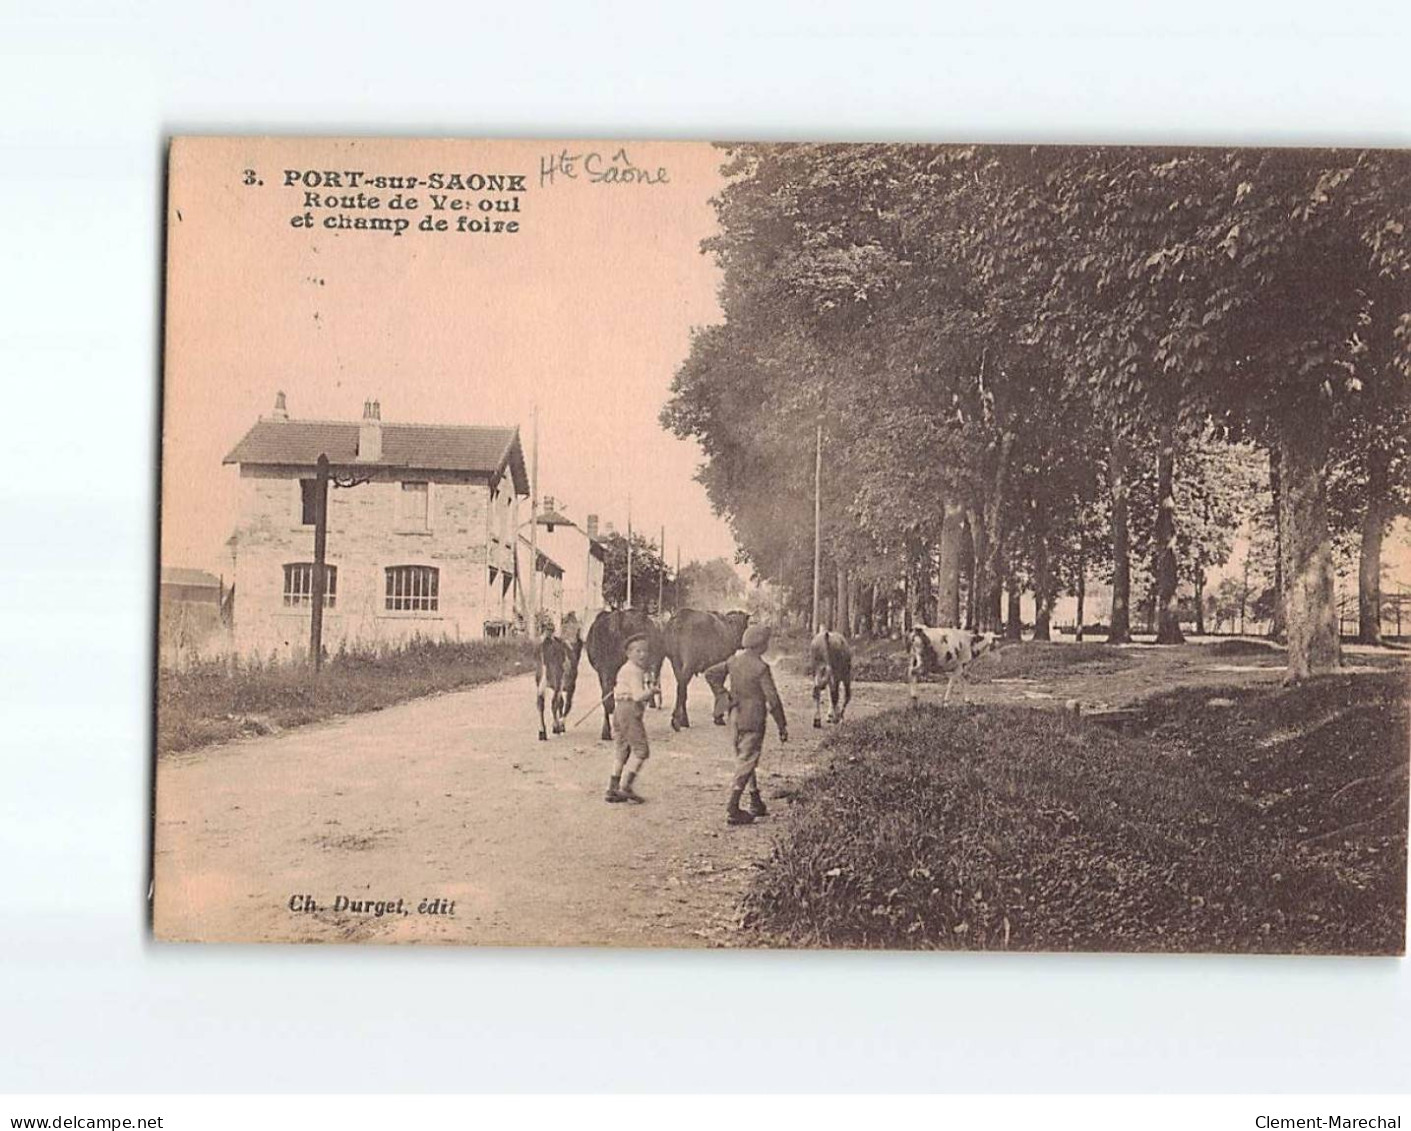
<point x="636" y="638"/>
<point x="756" y="636"/>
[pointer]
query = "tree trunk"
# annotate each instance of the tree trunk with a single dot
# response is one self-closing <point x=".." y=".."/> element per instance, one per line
<point x="970" y="609"/>
<point x="979" y="581"/>
<point x="1369" y="564"/>
<point x="1043" y="589"/>
<point x="948" y="587"/>
<point x="925" y="585"/>
<point x="1120" y="630"/>
<point x="1013" y="627"/>
<point x="1310" y="606"/>
<point x="1082" y="592"/>
<point x="1200" y="602"/>
<point x="1278" y="628"/>
<point x="989" y="567"/>
<point x="992" y="598"/>
<point x="844" y="608"/>
<point x="1168" y="629"/>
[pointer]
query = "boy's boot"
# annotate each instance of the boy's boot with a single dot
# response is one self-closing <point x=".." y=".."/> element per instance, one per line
<point x="756" y="804"/>
<point x="614" y="792"/>
<point x="627" y="793"/>
<point x="733" y="813"/>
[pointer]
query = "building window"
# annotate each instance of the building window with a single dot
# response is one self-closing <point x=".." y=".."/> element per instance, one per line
<point x="299" y="585"/>
<point x="308" y="492"/>
<point x="413" y="506"/>
<point x="413" y="589"/>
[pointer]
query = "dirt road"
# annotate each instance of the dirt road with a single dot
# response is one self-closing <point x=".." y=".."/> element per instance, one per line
<point x="454" y="799"/>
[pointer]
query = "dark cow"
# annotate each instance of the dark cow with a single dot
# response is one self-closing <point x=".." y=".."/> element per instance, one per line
<point x="948" y="651"/>
<point x="571" y="633"/>
<point x="830" y="662"/>
<point x="556" y="674"/>
<point x="607" y="651"/>
<point x="697" y="640"/>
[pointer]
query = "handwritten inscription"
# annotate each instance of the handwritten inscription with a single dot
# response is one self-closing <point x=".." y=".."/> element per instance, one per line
<point x="595" y="168"/>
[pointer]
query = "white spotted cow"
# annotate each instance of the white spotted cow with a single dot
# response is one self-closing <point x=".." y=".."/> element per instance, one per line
<point x="946" y="651"/>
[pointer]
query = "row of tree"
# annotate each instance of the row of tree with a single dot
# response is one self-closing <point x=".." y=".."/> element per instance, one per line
<point x="710" y="584"/>
<point x="1033" y="365"/>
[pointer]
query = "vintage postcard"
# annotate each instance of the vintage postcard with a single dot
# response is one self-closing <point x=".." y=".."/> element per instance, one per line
<point x="669" y="544"/>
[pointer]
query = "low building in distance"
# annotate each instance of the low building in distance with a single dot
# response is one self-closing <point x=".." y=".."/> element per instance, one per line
<point x="578" y="552"/>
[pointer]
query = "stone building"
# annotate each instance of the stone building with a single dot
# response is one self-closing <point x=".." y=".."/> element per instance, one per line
<point x="422" y="524"/>
<point x="577" y="551"/>
<point x="548" y="594"/>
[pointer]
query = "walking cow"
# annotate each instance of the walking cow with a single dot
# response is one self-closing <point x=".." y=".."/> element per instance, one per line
<point x="695" y="641"/>
<point x="607" y="651"/>
<point x="556" y="673"/>
<point x="948" y="651"/>
<point x="830" y="661"/>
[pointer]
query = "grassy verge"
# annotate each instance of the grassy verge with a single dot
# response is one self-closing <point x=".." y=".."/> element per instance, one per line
<point x="1275" y="824"/>
<point x="885" y="661"/>
<point x="217" y="701"/>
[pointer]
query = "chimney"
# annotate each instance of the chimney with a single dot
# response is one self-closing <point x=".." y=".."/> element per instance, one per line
<point x="592" y="526"/>
<point x="548" y="502"/>
<point x="370" y="433"/>
<point x="281" y="412"/>
<point x="609" y="529"/>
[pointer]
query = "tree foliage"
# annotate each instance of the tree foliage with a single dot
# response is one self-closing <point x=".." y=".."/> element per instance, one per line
<point x="983" y="334"/>
<point x="648" y="571"/>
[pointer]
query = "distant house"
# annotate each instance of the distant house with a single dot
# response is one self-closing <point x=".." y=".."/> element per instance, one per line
<point x="580" y="555"/>
<point x="190" y="587"/>
<point x="191" y="608"/>
<point x="549" y="580"/>
<point x="420" y="541"/>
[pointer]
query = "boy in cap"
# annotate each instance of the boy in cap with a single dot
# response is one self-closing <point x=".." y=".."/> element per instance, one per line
<point x="752" y="694"/>
<point x="630" y="698"/>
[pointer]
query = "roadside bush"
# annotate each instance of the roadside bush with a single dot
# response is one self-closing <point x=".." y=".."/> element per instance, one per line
<point x="991" y="828"/>
<point x="886" y="661"/>
<point x="1243" y="646"/>
<point x="217" y="701"/>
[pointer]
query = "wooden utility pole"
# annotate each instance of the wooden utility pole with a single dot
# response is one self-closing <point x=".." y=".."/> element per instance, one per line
<point x="629" y="551"/>
<point x="661" y="573"/>
<point x="320" y="552"/>
<point x="676" y="591"/>
<point x="817" y="521"/>
<point x="532" y="594"/>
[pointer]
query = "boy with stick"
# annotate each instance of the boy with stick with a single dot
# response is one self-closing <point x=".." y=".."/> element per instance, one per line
<point x="630" y="698"/>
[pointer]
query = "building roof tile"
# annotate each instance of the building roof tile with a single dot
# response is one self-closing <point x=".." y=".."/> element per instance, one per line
<point x="425" y="447"/>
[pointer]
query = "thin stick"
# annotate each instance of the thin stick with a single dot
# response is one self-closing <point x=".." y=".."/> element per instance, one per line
<point x="603" y="702"/>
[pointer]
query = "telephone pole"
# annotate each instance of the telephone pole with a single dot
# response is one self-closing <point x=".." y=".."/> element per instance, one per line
<point x="319" y="579"/>
<point x="531" y="612"/>
<point x="817" y="520"/>
<point x="661" y="573"/>
<point x="629" y="550"/>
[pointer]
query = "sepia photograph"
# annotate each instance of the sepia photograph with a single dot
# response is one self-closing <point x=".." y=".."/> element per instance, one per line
<point x="784" y="545"/>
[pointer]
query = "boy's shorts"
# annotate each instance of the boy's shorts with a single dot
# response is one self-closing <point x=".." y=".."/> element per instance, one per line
<point x="629" y="731"/>
<point x="748" y="745"/>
